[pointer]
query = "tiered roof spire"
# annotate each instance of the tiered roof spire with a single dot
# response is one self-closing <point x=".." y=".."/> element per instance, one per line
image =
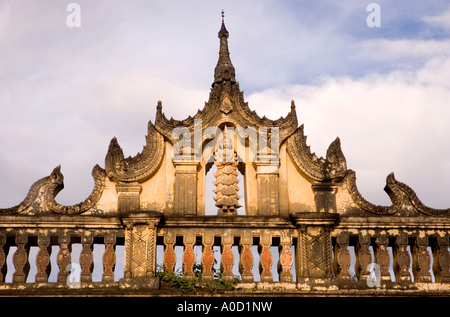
<point x="224" y="70"/>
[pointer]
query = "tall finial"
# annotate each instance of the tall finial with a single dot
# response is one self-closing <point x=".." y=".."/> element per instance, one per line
<point x="224" y="69"/>
<point x="223" y="30"/>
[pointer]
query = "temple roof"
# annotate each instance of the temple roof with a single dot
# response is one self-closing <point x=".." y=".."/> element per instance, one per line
<point x="226" y="103"/>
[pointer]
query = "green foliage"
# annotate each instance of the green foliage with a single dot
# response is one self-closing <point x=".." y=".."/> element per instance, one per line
<point x="194" y="284"/>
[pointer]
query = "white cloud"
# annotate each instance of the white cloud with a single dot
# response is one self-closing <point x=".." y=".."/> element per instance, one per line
<point x="386" y="122"/>
<point x="440" y="20"/>
<point x="390" y="51"/>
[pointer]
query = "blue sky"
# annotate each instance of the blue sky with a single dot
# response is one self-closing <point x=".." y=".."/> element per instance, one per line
<point x="65" y="92"/>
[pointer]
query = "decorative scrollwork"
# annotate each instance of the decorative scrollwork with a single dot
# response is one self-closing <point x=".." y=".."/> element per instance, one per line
<point x="334" y="166"/>
<point x="41" y="196"/>
<point x="140" y="167"/>
<point x="400" y="195"/>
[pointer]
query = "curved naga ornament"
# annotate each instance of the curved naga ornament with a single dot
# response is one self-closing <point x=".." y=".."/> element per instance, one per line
<point x="334" y="166"/>
<point x="400" y="194"/>
<point x="41" y="196"/>
<point x="140" y="167"/>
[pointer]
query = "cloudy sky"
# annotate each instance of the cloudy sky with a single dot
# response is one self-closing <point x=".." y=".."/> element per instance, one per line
<point x="385" y="91"/>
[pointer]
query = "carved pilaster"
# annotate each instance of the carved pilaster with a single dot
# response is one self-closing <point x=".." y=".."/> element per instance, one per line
<point x="185" y="187"/>
<point x="314" y="247"/>
<point x="139" y="258"/>
<point x="128" y="249"/>
<point x="267" y="182"/>
<point x="128" y="198"/>
<point x="140" y="248"/>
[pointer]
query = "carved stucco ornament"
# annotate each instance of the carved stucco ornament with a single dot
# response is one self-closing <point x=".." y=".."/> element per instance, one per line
<point x="41" y="196"/>
<point x="333" y="167"/>
<point x="402" y="196"/>
<point x="227" y="198"/>
<point x="226" y="106"/>
<point x="140" y="167"/>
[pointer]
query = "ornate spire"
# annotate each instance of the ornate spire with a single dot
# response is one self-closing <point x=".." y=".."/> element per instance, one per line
<point x="223" y="30"/>
<point x="224" y="70"/>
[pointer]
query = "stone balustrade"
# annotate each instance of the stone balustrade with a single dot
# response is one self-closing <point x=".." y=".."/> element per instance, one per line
<point x="307" y="252"/>
<point x="252" y="249"/>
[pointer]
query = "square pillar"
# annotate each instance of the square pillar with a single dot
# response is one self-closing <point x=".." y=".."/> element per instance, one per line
<point x="185" y="187"/>
<point x="128" y="198"/>
<point x="314" y="245"/>
<point x="325" y="197"/>
<point x="140" y="250"/>
<point x="267" y="185"/>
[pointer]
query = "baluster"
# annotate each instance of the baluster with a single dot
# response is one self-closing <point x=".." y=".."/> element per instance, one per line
<point x="109" y="258"/>
<point x="382" y="256"/>
<point x="86" y="258"/>
<point x="246" y="258"/>
<point x="402" y="258"/>
<point x="441" y="265"/>
<point x="422" y="260"/>
<point x="208" y="258"/>
<point x="363" y="257"/>
<point x="227" y="259"/>
<point x="20" y="258"/>
<point x="286" y="259"/>
<point x="2" y="256"/>
<point x="43" y="259"/>
<point x="63" y="258"/>
<point x="188" y="256"/>
<point x="265" y="260"/>
<point x="169" y="256"/>
<point x="342" y="257"/>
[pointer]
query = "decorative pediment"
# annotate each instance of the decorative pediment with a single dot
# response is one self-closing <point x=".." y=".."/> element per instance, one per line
<point x="226" y="105"/>
<point x="137" y="168"/>
<point x="333" y="167"/>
